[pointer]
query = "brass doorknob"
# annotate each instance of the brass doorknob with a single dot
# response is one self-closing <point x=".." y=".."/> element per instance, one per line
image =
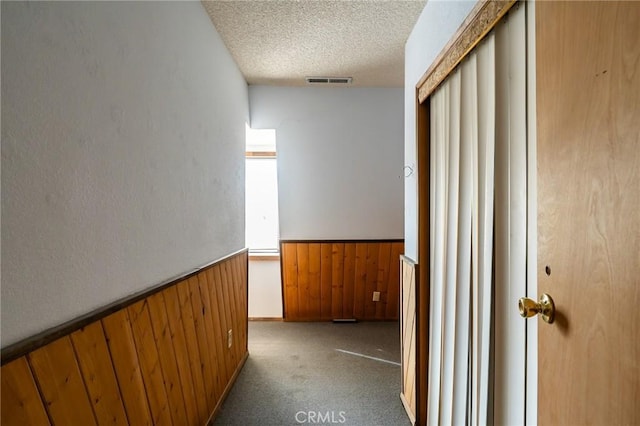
<point x="545" y="307"/>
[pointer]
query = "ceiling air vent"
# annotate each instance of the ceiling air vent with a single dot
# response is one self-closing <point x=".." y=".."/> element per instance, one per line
<point x="328" y="80"/>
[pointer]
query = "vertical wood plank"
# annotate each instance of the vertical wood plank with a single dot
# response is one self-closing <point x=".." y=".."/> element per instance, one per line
<point x="117" y="329"/>
<point x="393" y="285"/>
<point x="149" y="362"/>
<point x="167" y="356"/>
<point x="193" y="404"/>
<point x="241" y="264"/>
<point x="348" y="281"/>
<point x="242" y="312"/>
<point x="337" y="283"/>
<point x="236" y="346"/>
<point x="201" y="335"/>
<point x="229" y="315"/>
<point x="223" y="324"/>
<point x="219" y="336"/>
<point x="58" y="377"/>
<point x="326" y="267"/>
<point x="245" y="289"/>
<point x="304" y="308"/>
<point x="290" y="281"/>
<point x="224" y="321"/>
<point x="360" y="283"/>
<point x="193" y="346"/>
<point x="244" y="282"/>
<point x="315" y="300"/>
<point x="99" y="376"/>
<point x="373" y="251"/>
<point x="212" y="342"/>
<point x="240" y="287"/>
<point x="382" y="280"/>
<point x="21" y="403"/>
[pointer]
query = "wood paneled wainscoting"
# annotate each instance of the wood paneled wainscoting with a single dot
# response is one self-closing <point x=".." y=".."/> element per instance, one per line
<point x="165" y="356"/>
<point x="325" y="280"/>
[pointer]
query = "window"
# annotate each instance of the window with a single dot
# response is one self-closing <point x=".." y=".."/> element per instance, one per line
<point x="261" y="192"/>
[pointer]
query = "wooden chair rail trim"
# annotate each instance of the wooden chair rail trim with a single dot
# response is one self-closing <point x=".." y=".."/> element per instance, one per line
<point x="39" y="340"/>
<point x="480" y="21"/>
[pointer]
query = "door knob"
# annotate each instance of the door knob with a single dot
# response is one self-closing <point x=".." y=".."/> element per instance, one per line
<point x="545" y="307"/>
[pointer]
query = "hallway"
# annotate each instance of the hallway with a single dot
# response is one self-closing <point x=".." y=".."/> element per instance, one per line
<point x="318" y="373"/>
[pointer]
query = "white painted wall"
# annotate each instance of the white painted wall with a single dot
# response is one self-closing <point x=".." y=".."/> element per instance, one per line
<point x="123" y="131"/>
<point x="437" y="23"/>
<point x="339" y="159"/>
<point x="265" y="289"/>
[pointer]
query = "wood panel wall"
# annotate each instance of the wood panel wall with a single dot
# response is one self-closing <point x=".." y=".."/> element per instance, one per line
<point x="325" y="280"/>
<point x="162" y="359"/>
<point x="408" y="336"/>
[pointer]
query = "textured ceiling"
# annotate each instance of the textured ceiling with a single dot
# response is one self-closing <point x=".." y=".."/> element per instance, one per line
<point x="280" y="42"/>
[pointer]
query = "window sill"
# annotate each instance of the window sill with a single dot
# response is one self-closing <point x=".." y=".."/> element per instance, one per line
<point x="264" y="256"/>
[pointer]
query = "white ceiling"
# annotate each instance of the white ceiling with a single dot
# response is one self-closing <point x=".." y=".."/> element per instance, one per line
<point x="280" y="42"/>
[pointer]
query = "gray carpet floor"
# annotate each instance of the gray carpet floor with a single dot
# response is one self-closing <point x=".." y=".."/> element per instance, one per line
<point x="318" y="373"/>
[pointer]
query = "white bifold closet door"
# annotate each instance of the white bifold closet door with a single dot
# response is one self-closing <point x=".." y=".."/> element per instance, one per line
<point x="478" y="234"/>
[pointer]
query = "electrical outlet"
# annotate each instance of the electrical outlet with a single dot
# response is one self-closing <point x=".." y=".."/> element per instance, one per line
<point x="376" y="296"/>
<point x="229" y="338"/>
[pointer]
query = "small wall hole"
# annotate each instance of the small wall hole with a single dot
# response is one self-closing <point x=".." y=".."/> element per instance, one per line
<point x="547" y="270"/>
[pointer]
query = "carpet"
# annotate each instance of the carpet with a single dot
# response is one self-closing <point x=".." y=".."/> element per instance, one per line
<point x="318" y="373"/>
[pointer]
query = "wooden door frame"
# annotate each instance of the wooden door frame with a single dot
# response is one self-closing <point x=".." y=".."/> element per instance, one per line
<point x="481" y="20"/>
<point x="531" y="350"/>
<point x="423" y="285"/>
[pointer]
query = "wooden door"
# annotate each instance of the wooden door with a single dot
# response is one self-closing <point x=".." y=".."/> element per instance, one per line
<point x="588" y="109"/>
